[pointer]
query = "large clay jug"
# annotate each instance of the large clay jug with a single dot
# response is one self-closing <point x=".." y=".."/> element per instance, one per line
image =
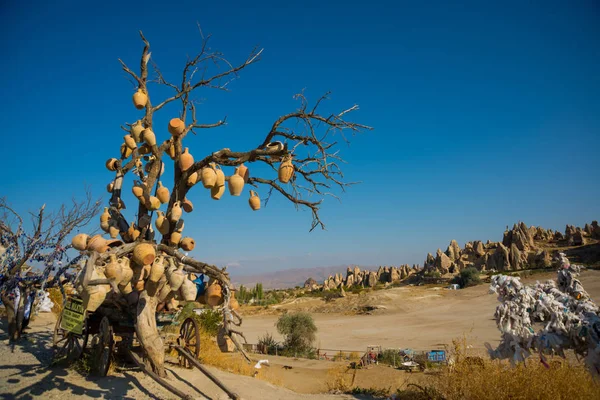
<point x="162" y="224"/>
<point x="175" y="238"/>
<point x="286" y="170"/>
<point x="158" y="269"/>
<point x="97" y="243"/>
<point x="213" y="294"/>
<point x="236" y="184"/>
<point x="187" y="205"/>
<point x="140" y="99"/>
<point x="144" y="254"/>
<point x="176" y="212"/>
<point x="187" y="244"/>
<point x="153" y="204"/>
<point x="149" y="137"/>
<point x="209" y="176"/>
<point x="254" y="200"/>
<point x="175" y="275"/>
<point x="130" y="141"/>
<point x="105" y="216"/>
<point x="138" y="189"/>
<point x="110" y="186"/>
<point x="244" y="172"/>
<point x="216" y="192"/>
<point x="136" y="131"/>
<point x="94" y="295"/>
<point x="112" y="164"/>
<point x="192" y="179"/>
<point x="126" y="271"/>
<point x="79" y="241"/>
<point x="162" y="193"/>
<point x="113" y="231"/>
<point x="188" y="290"/>
<point x="176" y="126"/>
<point x="186" y="160"/>
<point x="220" y="176"/>
<point x="125" y="151"/>
<point x="113" y="269"/>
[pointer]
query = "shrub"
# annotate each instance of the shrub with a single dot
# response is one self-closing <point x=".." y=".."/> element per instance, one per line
<point x="210" y="320"/>
<point x="468" y="277"/>
<point x="299" y="331"/>
<point x="268" y="342"/>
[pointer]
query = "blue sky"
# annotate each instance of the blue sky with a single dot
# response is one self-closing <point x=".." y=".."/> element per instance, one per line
<point x="484" y="114"/>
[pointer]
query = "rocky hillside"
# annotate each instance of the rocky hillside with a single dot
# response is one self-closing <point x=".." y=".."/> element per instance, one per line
<point x="521" y="247"/>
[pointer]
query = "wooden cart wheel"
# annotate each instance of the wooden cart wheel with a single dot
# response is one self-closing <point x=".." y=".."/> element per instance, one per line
<point x="189" y="337"/>
<point x="68" y="345"/>
<point x="102" y="348"/>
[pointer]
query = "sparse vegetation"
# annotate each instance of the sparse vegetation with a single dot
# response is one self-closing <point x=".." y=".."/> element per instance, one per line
<point x="299" y="330"/>
<point x="468" y="277"/>
<point x="269" y="343"/>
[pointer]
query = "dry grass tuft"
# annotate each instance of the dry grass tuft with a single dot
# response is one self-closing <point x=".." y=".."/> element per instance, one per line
<point x="57" y="299"/>
<point x="339" y="379"/>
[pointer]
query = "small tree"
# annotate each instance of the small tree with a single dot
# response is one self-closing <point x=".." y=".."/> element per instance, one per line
<point x="468" y="277"/>
<point x="299" y="331"/>
<point x="258" y="291"/>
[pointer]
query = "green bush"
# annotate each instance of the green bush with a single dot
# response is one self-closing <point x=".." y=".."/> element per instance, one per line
<point x="468" y="277"/>
<point x="269" y="343"/>
<point x="209" y="320"/>
<point x="299" y="330"/>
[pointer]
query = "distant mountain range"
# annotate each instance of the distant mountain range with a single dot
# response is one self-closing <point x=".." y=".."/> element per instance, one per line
<point x="289" y="278"/>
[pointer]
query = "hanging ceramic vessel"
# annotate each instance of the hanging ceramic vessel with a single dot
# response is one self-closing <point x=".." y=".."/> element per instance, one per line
<point x="216" y="192"/>
<point x="153" y="204"/>
<point x="120" y="204"/>
<point x="243" y="171"/>
<point x="79" y="241"/>
<point x="175" y="238"/>
<point x="94" y="295"/>
<point x="275" y="146"/>
<point x="175" y="275"/>
<point x="209" y="176"/>
<point x="126" y="271"/>
<point x="138" y="190"/>
<point x="140" y="99"/>
<point x="187" y="244"/>
<point x="236" y="184"/>
<point x="254" y="200"/>
<point x="97" y="243"/>
<point x="105" y="216"/>
<point x="149" y="137"/>
<point x="162" y="224"/>
<point x="145" y="149"/>
<point x="112" y="164"/>
<point x="136" y="131"/>
<point x="286" y="170"/>
<point x="192" y="179"/>
<point x="187" y="205"/>
<point x="110" y="186"/>
<point x="162" y="193"/>
<point x="125" y="151"/>
<point x="163" y="294"/>
<point x="186" y="160"/>
<point x="158" y="269"/>
<point x="220" y="176"/>
<point x="175" y="212"/>
<point x="189" y="290"/>
<point x="213" y="294"/>
<point x="112" y="270"/>
<point x="176" y="126"/>
<point x="143" y="254"/>
<point x="130" y="141"/>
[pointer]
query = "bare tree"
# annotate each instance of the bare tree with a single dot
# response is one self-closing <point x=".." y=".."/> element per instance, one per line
<point x="43" y="244"/>
<point x="299" y="147"/>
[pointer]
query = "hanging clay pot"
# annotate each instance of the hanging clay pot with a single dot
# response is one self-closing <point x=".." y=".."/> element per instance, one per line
<point x="162" y="193"/>
<point x="153" y="204"/>
<point x="133" y="232"/>
<point x="130" y="141"/>
<point x="136" y="131"/>
<point x="187" y="244"/>
<point x="286" y="170"/>
<point x="145" y="149"/>
<point x="120" y="204"/>
<point x="187" y="205"/>
<point x="162" y="224"/>
<point x="179" y="226"/>
<point x="214" y="294"/>
<point x="112" y="164"/>
<point x="216" y="192"/>
<point x="188" y="290"/>
<point x="192" y="179"/>
<point x="158" y="269"/>
<point x="209" y="176"/>
<point x="138" y="190"/>
<point x="126" y="271"/>
<point x="105" y="226"/>
<point x="163" y="294"/>
<point x="125" y="151"/>
<point x="175" y="212"/>
<point x="113" y="231"/>
<point x="93" y="295"/>
<point x="175" y="238"/>
<point x="176" y="126"/>
<point x="149" y="137"/>
<point x="175" y="275"/>
<point x="110" y="186"/>
<point x="254" y="200"/>
<point x="236" y="184"/>
<point x="220" y="176"/>
<point x="112" y="270"/>
<point x="243" y="171"/>
<point x="140" y="99"/>
<point x="97" y="243"/>
<point x="79" y="241"/>
<point x="186" y="160"/>
<point x="105" y="216"/>
<point x="143" y="254"/>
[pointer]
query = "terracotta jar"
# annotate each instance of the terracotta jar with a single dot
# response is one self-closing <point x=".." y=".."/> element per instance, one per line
<point x="113" y="231"/>
<point x="220" y="176"/>
<point x="136" y="131"/>
<point x="105" y="226"/>
<point x="176" y="126"/>
<point x="105" y="216"/>
<point x="236" y="184"/>
<point x="125" y="151"/>
<point x="187" y="244"/>
<point x="140" y="99"/>
<point x="188" y="290"/>
<point x="112" y="270"/>
<point x="187" y="205"/>
<point x="162" y="224"/>
<point x="138" y="191"/>
<point x="154" y="203"/>
<point x="175" y="275"/>
<point x="143" y="254"/>
<point x="94" y="295"/>
<point x="213" y="294"/>
<point x="130" y="141"/>
<point x="254" y="200"/>
<point x="286" y="170"/>
<point x="149" y="137"/>
<point x="126" y="271"/>
<point x="162" y="193"/>
<point x="79" y="241"/>
<point x="176" y="212"/>
<point x="192" y="179"/>
<point x="163" y="294"/>
<point x="110" y="186"/>
<point x="97" y="243"/>
<point x="145" y="149"/>
<point x="175" y="238"/>
<point x="158" y="269"/>
<point x="112" y="164"/>
<point x="186" y="160"/>
<point x="243" y="171"/>
<point x="209" y="176"/>
<point x="216" y="192"/>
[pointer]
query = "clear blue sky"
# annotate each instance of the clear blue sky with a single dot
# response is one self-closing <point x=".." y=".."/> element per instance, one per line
<point x="484" y="113"/>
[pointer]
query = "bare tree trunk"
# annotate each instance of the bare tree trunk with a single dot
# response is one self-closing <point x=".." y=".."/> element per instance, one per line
<point x="11" y="315"/>
<point x="147" y="332"/>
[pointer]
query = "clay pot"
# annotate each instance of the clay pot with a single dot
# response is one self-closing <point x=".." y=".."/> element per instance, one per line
<point x="179" y="226"/>
<point x="244" y="172"/>
<point x="125" y="151"/>
<point x="105" y="216"/>
<point x="138" y="189"/>
<point x="187" y="244"/>
<point x="139" y="285"/>
<point x="186" y="160"/>
<point x="162" y="224"/>
<point x="120" y="204"/>
<point x="113" y="231"/>
<point x="110" y="186"/>
<point x="153" y="204"/>
<point x="94" y="296"/>
<point x="158" y="269"/>
<point x="112" y="270"/>
<point x="220" y="176"/>
<point x="130" y="141"/>
<point x="209" y="176"/>
<point x="175" y="275"/>
<point x="213" y="294"/>
<point x="162" y="193"/>
<point x="187" y="205"/>
<point x="254" y="200"/>
<point x="236" y="184"/>
<point x="140" y="99"/>
<point x="216" y="192"/>
<point x="275" y="146"/>
<point x="176" y="212"/>
<point x="286" y="170"/>
<point x="80" y="241"/>
<point x="112" y="164"/>
<point x="145" y="149"/>
<point x="192" y="179"/>
<point x="144" y="254"/>
<point x="176" y="126"/>
<point x="188" y="290"/>
<point x="133" y="232"/>
<point x="126" y="271"/>
<point x="97" y="243"/>
<point x="105" y="226"/>
<point x="165" y="293"/>
<point x="149" y="137"/>
<point x="175" y="238"/>
<point x="136" y="131"/>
